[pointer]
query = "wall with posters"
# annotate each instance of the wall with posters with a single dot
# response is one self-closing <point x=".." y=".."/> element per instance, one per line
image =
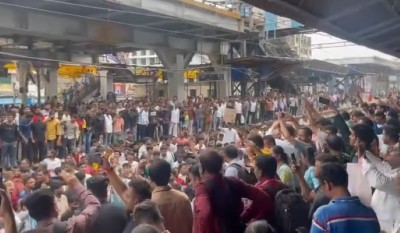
<point x="119" y="88"/>
<point x="132" y="90"/>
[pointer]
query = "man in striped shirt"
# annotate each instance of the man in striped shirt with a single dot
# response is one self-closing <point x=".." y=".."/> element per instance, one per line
<point x="344" y="214"/>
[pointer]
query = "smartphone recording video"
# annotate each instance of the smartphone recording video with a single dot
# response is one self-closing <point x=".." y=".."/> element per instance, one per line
<point x="294" y="160"/>
<point x="323" y="100"/>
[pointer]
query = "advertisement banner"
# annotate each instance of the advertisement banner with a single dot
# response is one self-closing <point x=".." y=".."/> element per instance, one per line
<point x="135" y="90"/>
<point x="6" y="87"/>
<point x="119" y="88"/>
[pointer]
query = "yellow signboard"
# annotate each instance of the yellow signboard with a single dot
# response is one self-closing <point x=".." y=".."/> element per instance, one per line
<point x="75" y="71"/>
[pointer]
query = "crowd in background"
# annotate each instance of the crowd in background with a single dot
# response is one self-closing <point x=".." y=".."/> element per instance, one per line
<point x="169" y="166"/>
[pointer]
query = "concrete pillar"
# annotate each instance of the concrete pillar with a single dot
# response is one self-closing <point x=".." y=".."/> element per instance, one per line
<point x="175" y="63"/>
<point x="50" y="86"/>
<point x="23" y="69"/>
<point x="224" y="88"/>
<point x="106" y="83"/>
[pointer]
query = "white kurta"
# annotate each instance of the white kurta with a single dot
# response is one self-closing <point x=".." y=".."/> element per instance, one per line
<point x="386" y="198"/>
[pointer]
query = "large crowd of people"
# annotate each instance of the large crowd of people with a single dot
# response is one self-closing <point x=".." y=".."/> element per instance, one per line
<point x="140" y="166"/>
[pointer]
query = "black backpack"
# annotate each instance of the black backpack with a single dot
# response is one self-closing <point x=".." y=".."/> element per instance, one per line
<point x="290" y="211"/>
<point x="245" y="174"/>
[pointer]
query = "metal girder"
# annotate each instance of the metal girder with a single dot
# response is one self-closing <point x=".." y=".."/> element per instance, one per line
<point x="186" y="12"/>
<point x="54" y="27"/>
<point x="107" y="15"/>
<point x="286" y="9"/>
<point x="161" y="22"/>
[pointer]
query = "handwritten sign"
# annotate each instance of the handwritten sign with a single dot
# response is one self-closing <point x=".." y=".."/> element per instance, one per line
<point x="229" y="115"/>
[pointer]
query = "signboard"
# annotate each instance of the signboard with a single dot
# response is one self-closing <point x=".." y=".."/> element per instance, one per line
<point x="6" y="87"/>
<point x="229" y="115"/>
<point x="119" y="88"/>
<point x="135" y="90"/>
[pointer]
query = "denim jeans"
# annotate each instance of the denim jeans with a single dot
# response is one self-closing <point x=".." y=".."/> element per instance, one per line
<point x="87" y="139"/>
<point x="216" y="122"/>
<point x="71" y="145"/>
<point x="141" y="131"/>
<point x="117" y="137"/>
<point x="8" y="154"/>
<point x="107" y="139"/>
<point x="199" y="124"/>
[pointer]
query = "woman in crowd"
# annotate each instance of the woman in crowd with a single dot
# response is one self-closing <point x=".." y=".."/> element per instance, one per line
<point x="284" y="172"/>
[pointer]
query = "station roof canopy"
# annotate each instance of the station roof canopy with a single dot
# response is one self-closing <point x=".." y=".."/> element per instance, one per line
<point x="369" y="65"/>
<point x="294" y="65"/>
<point x="256" y="61"/>
<point x="373" y="23"/>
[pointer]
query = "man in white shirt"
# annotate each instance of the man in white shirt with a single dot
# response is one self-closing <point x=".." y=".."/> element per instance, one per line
<point x="142" y="150"/>
<point x="71" y="134"/>
<point x="239" y="112"/>
<point x="173" y="127"/>
<point x="52" y="162"/>
<point x="230" y="135"/>
<point x="383" y="176"/>
<point x="108" y="129"/>
<point x="143" y="122"/>
<point x="286" y="145"/>
<point x="217" y="117"/>
<point x="252" y="112"/>
<point x="166" y="155"/>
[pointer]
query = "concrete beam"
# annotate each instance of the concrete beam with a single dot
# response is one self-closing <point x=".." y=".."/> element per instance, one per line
<point x="25" y="54"/>
<point x="189" y="10"/>
<point x="175" y="63"/>
<point x="56" y="27"/>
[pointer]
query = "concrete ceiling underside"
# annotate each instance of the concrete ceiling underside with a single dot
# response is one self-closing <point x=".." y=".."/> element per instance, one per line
<point x="373" y="23"/>
<point x="159" y="30"/>
<point x="124" y="15"/>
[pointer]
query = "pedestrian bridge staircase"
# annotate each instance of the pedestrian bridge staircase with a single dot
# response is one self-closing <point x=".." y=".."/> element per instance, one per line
<point x="84" y="91"/>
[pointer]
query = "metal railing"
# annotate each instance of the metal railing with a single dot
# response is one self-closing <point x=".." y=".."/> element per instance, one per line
<point x="83" y="91"/>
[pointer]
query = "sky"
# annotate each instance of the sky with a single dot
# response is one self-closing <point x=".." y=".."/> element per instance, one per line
<point x="325" y="46"/>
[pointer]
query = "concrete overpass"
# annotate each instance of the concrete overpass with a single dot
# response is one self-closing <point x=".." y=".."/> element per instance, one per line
<point x="373" y="23"/>
<point x="48" y="31"/>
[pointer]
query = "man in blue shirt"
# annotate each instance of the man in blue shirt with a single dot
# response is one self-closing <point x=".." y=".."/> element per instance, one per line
<point x="344" y="214"/>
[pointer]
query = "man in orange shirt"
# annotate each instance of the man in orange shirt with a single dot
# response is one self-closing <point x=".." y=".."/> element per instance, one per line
<point x="118" y="128"/>
<point x="269" y="109"/>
